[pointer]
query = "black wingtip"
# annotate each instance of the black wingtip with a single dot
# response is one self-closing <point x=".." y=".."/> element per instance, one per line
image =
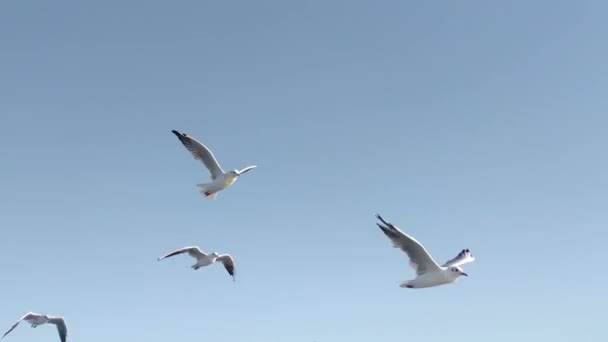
<point x="383" y="220"/>
<point x="179" y="135"/>
<point x="379" y="217"/>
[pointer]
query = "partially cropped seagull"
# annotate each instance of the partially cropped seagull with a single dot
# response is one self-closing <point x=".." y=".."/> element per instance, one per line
<point x="428" y="273"/>
<point x="37" y="319"/>
<point x="203" y="259"/>
<point x="220" y="180"/>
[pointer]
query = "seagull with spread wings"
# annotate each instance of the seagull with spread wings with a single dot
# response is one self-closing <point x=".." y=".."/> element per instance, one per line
<point x="37" y="319"/>
<point x="220" y="180"/>
<point x="203" y="259"/>
<point x="428" y="272"/>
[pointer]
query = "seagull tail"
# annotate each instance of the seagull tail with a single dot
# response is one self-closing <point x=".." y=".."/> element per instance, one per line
<point x="202" y="188"/>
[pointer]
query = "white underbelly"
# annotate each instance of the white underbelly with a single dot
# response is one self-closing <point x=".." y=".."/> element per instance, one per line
<point x="217" y="185"/>
<point x="429" y="280"/>
<point x="228" y="182"/>
<point x="204" y="262"/>
<point x="37" y="320"/>
<point x="220" y="184"/>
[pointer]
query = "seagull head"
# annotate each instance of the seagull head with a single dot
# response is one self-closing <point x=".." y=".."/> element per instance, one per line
<point x="234" y="173"/>
<point x="457" y="272"/>
<point x="214" y="254"/>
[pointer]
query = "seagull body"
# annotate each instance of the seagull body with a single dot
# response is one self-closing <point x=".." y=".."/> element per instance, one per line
<point x="220" y="180"/>
<point x="203" y="259"/>
<point x="428" y="272"/>
<point x="37" y="319"/>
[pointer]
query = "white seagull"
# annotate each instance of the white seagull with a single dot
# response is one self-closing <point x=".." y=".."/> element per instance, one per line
<point x="428" y="273"/>
<point x="203" y="259"/>
<point x="37" y="319"/>
<point x="220" y="180"/>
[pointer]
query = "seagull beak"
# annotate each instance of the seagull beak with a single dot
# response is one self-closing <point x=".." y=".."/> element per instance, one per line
<point x="464" y="274"/>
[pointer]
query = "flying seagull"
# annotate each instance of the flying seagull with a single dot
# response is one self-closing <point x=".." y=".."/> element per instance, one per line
<point x="37" y="319"/>
<point x="428" y="273"/>
<point x="203" y="259"/>
<point x="220" y="180"/>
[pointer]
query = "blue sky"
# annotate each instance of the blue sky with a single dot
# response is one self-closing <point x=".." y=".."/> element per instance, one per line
<point x="469" y="124"/>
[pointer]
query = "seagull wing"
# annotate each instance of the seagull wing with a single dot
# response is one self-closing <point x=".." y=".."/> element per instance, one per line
<point x="248" y="168"/>
<point x="26" y="316"/>
<point x="193" y="251"/>
<point x="200" y="152"/>
<point x="228" y="262"/>
<point x="464" y="257"/>
<point x="420" y="260"/>
<point x="62" y="329"/>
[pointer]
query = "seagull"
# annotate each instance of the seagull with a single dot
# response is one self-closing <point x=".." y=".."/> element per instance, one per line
<point x="428" y="273"/>
<point x="37" y="319"/>
<point x="203" y="259"/>
<point x="220" y="180"/>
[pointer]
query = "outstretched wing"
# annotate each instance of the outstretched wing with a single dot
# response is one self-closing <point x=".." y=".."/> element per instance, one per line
<point x="193" y="251"/>
<point x="228" y="262"/>
<point x="248" y="168"/>
<point x="420" y="260"/>
<point x="26" y="316"/>
<point x="464" y="257"/>
<point x="200" y="152"/>
<point x="62" y="329"/>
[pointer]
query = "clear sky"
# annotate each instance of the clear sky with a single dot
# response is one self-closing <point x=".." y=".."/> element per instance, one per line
<point x="469" y="124"/>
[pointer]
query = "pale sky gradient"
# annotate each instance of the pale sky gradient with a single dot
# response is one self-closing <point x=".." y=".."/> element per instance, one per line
<point x="469" y="124"/>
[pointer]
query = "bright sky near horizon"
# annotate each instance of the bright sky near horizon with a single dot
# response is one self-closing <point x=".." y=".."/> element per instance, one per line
<point x="469" y="124"/>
